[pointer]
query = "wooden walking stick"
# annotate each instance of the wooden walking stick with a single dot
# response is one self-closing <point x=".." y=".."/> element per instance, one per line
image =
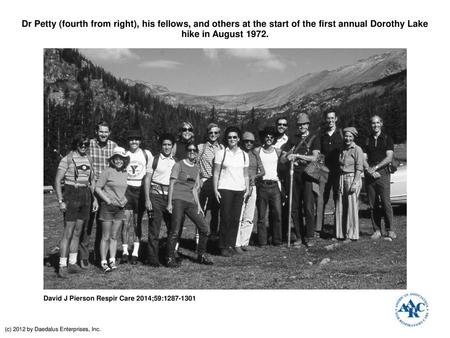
<point x="291" y="183"/>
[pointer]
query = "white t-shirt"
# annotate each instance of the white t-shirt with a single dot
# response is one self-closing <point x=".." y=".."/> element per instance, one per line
<point x="137" y="169"/>
<point x="270" y="163"/>
<point x="163" y="170"/>
<point x="232" y="174"/>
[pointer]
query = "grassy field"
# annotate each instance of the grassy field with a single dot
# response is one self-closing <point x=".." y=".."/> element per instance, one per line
<point x="365" y="264"/>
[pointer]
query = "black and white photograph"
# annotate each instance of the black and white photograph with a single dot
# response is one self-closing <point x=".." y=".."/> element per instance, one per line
<point x="256" y="169"/>
<point x="224" y="169"/>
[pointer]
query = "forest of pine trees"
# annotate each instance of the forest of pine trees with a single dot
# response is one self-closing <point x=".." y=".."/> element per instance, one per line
<point x="127" y="107"/>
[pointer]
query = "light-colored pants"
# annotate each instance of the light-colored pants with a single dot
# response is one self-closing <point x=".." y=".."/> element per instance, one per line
<point x="246" y="220"/>
<point x="347" y="219"/>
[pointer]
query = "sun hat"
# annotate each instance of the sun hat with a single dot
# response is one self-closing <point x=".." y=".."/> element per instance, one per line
<point x="248" y="136"/>
<point x="302" y="118"/>
<point x="119" y="151"/>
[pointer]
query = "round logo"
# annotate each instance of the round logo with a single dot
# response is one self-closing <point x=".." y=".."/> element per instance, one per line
<point x="411" y="309"/>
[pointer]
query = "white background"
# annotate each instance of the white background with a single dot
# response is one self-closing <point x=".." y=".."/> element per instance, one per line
<point x="367" y="313"/>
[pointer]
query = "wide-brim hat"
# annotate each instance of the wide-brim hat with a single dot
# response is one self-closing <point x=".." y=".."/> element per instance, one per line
<point x="302" y="118"/>
<point x="248" y="136"/>
<point x="119" y="151"/>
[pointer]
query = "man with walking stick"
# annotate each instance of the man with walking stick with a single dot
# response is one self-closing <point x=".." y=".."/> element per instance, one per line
<point x="301" y="197"/>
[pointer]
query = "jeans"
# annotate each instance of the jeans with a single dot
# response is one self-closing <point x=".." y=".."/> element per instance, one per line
<point x="379" y="192"/>
<point x="269" y="197"/>
<point x="302" y="206"/>
<point x="207" y="193"/>
<point x="325" y="187"/>
<point x="230" y="212"/>
<point x="180" y="208"/>
<point x="159" y="204"/>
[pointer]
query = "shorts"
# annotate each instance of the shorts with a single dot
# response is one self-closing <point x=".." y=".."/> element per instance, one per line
<point x="109" y="213"/>
<point x="135" y="199"/>
<point x="78" y="203"/>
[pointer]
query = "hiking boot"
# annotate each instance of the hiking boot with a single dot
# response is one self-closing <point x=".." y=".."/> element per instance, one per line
<point x="392" y="234"/>
<point x="63" y="272"/>
<point x="73" y="268"/>
<point x="134" y="260"/>
<point x="248" y="248"/>
<point x="172" y="263"/>
<point x="106" y="268"/>
<point x="309" y="243"/>
<point x="113" y="265"/>
<point x="376" y="235"/>
<point x="297" y="243"/>
<point x="153" y="263"/>
<point x="203" y="259"/>
<point x="124" y="259"/>
<point x="238" y="250"/>
<point x="84" y="263"/>
<point x="226" y="252"/>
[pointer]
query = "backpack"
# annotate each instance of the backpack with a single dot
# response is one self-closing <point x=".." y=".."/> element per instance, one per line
<point x="392" y="167"/>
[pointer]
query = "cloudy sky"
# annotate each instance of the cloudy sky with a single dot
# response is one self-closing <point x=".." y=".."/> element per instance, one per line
<point x="221" y="71"/>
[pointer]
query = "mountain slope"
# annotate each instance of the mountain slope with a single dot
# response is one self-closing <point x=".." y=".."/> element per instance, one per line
<point x="367" y="70"/>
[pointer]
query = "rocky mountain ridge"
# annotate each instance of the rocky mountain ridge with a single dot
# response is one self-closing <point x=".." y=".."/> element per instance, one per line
<point x="364" y="71"/>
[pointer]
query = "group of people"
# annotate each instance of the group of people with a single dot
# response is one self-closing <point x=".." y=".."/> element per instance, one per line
<point x="113" y="187"/>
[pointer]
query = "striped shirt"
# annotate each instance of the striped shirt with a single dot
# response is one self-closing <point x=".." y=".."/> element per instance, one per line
<point x="100" y="155"/>
<point x="205" y="161"/>
<point x="77" y="170"/>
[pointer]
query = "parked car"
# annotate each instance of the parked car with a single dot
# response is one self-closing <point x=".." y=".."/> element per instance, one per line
<point x="398" y="185"/>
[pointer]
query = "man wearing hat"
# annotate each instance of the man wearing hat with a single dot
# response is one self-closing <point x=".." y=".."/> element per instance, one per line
<point x="140" y="164"/>
<point x="255" y="171"/>
<point x="100" y="150"/>
<point x="379" y="150"/>
<point x="304" y="150"/>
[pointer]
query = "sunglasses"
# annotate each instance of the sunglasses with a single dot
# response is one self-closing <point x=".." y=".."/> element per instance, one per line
<point x="270" y="137"/>
<point x="249" y="141"/>
<point x="84" y="144"/>
<point x="282" y="124"/>
<point x="302" y="124"/>
<point x="232" y="137"/>
<point x="214" y="132"/>
<point x="187" y="129"/>
<point x="192" y="150"/>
